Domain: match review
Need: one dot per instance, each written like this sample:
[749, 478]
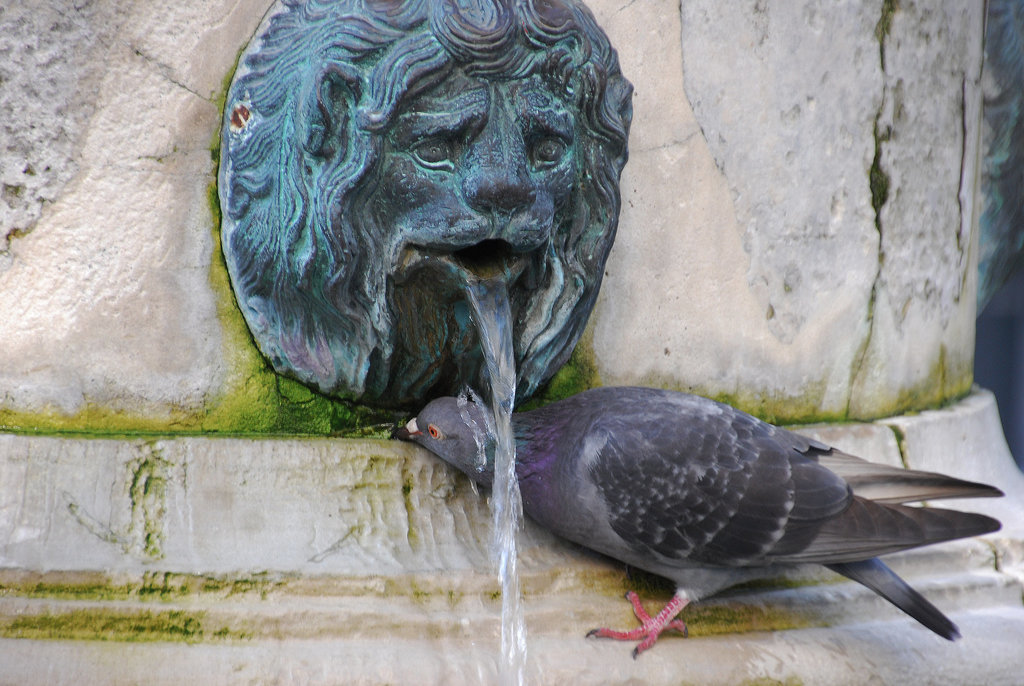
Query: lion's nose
[500, 183]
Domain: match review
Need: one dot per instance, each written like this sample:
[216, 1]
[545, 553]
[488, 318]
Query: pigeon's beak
[407, 432]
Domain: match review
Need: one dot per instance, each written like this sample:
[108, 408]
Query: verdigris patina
[378, 156]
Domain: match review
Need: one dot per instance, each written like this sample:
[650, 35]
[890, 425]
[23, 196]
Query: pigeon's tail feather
[879, 578]
[885, 484]
[867, 529]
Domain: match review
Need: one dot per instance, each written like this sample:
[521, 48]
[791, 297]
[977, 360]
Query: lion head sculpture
[376, 155]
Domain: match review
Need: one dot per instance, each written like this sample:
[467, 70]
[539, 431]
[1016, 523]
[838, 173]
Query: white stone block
[751, 263]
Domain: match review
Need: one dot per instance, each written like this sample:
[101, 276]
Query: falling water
[489, 300]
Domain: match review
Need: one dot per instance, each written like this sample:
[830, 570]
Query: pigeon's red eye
[434, 431]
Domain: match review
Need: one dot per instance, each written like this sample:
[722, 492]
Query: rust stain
[240, 116]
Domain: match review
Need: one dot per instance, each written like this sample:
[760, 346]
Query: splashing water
[489, 301]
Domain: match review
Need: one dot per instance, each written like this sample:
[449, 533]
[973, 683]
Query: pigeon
[705, 495]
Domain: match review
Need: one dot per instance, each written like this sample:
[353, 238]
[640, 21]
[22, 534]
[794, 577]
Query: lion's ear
[330, 113]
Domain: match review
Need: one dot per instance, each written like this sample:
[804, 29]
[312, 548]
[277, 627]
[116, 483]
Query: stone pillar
[797, 237]
[799, 207]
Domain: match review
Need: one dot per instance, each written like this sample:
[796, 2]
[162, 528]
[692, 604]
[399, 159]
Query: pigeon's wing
[701, 481]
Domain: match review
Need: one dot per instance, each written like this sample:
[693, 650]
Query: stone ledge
[318, 561]
[850, 655]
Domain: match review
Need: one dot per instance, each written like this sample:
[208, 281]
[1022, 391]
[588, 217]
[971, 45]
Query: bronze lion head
[376, 155]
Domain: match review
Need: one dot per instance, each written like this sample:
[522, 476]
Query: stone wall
[795, 237]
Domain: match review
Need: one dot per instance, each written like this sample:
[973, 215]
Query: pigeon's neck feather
[543, 446]
[536, 443]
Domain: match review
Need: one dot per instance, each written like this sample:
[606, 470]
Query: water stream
[489, 301]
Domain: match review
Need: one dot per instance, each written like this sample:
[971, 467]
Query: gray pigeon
[705, 495]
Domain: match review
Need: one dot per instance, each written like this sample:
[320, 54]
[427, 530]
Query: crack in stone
[668, 144]
[962, 249]
[901, 443]
[167, 72]
[963, 163]
[878, 183]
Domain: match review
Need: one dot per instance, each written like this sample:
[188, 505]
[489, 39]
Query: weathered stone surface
[921, 347]
[751, 262]
[42, 107]
[108, 298]
[844, 656]
[327, 561]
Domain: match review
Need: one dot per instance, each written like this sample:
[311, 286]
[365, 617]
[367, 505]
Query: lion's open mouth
[488, 259]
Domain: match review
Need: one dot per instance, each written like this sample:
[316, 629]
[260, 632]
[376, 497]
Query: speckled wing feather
[685, 477]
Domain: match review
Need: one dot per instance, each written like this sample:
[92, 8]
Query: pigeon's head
[459, 431]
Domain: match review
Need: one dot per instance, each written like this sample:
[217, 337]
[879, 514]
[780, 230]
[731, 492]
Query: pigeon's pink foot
[650, 627]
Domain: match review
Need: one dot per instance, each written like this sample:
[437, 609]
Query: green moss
[147, 491]
[878, 179]
[646, 584]
[576, 375]
[884, 26]
[68, 591]
[220, 98]
[711, 619]
[419, 594]
[774, 407]
[947, 381]
[102, 624]
[152, 586]
[901, 444]
[777, 408]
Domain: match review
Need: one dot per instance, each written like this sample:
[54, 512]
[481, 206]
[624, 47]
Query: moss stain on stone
[878, 178]
[576, 375]
[147, 492]
[112, 623]
[152, 586]
[947, 381]
[105, 624]
[770, 406]
[408, 485]
[884, 26]
[714, 619]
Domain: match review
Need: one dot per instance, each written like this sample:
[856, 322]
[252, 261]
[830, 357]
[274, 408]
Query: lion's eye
[434, 432]
[435, 153]
[547, 152]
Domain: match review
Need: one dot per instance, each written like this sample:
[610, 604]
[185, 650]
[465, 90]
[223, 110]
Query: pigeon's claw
[650, 627]
[641, 614]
